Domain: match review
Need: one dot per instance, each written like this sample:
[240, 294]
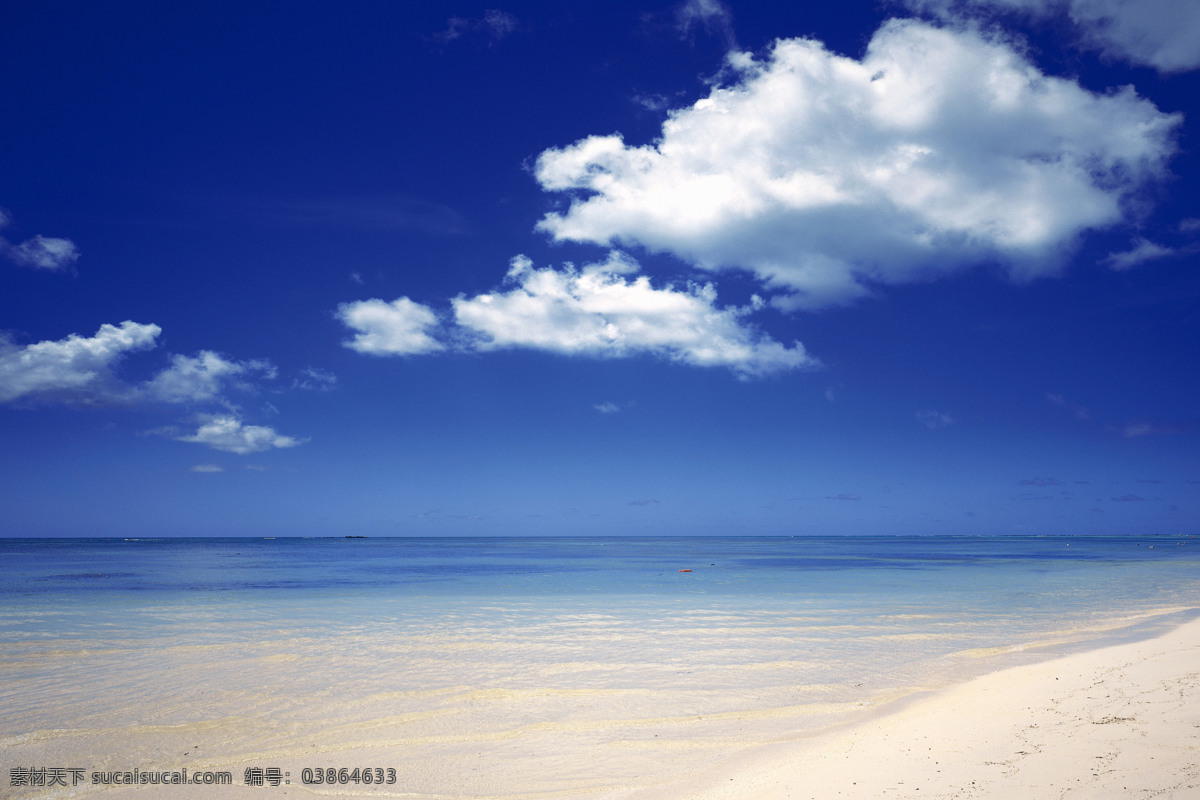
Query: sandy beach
[1117, 722]
[1121, 721]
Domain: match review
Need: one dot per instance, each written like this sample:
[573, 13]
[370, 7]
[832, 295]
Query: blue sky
[599, 268]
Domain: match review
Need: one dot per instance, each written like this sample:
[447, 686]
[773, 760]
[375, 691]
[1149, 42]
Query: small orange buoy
[685, 570]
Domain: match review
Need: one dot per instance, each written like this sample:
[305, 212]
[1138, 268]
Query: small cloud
[607, 408]
[208, 468]
[494, 24]
[400, 327]
[650, 502]
[1149, 480]
[711, 15]
[314, 379]
[42, 252]
[200, 378]
[934, 419]
[1143, 251]
[830, 396]
[1189, 225]
[1139, 428]
[228, 434]
[1041, 482]
[842, 497]
[1129, 498]
[657, 103]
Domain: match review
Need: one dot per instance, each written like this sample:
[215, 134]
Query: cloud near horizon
[597, 311]
[81, 371]
[826, 176]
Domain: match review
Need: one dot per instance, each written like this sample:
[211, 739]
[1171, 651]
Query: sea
[521, 667]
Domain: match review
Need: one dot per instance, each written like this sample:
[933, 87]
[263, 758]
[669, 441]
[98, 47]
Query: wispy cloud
[40, 252]
[934, 419]
[1041, 482]
[493, 26]
[201, 378]
[711, 15]
[314, 379]
[1142, 251]
[1139, 428]
[1164, 34]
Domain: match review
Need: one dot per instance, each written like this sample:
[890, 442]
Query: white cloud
[44, 252]
[315, 379]
[495, 24]
[199, 378]
[229, 434]
[607, 408]
[401, 327]
[208, 468]
[597, 311]
[712, 15]
[1143, 251]
[825, 175]
[1164, 34]
[79, 368]
[40, 252]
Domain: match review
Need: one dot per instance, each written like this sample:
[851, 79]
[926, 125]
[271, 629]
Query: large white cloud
[230, 434]
[400, 327]
[1164, 34]
[824, 175]
[598, 311]
[77, 368]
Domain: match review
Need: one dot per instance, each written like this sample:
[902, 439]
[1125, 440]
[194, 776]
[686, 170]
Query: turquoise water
[560, 665]
[81, 584]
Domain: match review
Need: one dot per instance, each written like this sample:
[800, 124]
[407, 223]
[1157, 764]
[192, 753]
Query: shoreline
[1119, 721]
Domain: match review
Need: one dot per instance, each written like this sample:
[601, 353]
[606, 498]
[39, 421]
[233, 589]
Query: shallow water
[517, 667]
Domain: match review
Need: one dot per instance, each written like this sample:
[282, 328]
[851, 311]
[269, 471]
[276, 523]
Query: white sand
[1118, 722]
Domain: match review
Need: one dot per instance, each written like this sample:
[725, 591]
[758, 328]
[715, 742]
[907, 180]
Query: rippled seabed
[501, 667]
